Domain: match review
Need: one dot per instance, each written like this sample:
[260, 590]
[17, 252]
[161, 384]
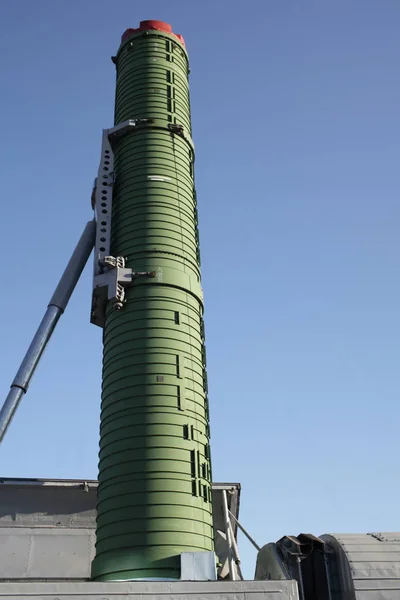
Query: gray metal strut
[55, 309]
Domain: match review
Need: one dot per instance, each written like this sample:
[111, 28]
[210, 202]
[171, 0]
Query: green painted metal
[154, 496]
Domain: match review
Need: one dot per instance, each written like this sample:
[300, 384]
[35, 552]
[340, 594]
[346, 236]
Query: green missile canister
[154, 494]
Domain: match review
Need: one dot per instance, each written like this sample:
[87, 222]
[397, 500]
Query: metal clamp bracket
[110, 286]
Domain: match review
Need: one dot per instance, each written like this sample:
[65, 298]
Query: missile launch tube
[55, 309]
[154, 493]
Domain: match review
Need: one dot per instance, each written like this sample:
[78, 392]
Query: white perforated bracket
[102, 197]
[103, 191]
[110, 276]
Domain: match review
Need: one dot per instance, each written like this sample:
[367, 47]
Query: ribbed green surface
[154, 497]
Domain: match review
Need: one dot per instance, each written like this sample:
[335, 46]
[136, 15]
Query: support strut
[55, 309]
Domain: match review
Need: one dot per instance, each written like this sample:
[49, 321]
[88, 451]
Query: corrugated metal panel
[373, 556]
[35, 553]
[47, 527]
[368, 565]
[160, 590]
[31, 503]
[392, 547]
[378, 594]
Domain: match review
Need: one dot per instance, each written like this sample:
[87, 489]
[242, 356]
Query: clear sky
[296, 124]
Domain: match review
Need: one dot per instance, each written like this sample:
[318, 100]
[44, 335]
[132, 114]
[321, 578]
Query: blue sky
[296, 124]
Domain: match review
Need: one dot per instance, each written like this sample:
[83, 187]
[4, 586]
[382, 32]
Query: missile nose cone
[160, 25]
[152, 24]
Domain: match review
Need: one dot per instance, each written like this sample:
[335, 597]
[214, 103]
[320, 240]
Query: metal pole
[55, 309]
[243, 530]
[234, 545]
[301, 584]
[231, 562]
[328, 578]
[235, 551]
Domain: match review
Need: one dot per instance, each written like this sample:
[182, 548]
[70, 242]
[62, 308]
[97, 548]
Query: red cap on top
[147, 25]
